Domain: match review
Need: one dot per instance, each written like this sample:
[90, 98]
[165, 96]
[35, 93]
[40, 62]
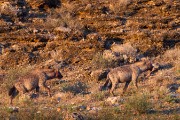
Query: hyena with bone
[128, 73]
[33, 80]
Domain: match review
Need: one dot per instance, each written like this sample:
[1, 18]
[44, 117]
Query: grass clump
[100, 62]
[77, 88]
[138, 104]
[171, 99]
[99, 96]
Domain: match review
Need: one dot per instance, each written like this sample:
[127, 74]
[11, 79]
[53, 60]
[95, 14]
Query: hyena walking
[128, 73]
[34, 80]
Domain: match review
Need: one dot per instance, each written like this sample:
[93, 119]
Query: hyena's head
[149, 64]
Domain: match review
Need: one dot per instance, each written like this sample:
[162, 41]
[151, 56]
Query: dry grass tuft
[139, 103]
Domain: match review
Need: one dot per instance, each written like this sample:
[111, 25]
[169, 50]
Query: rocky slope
[79, 37]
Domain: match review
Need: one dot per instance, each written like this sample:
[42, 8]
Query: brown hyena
[128, 73]
[33, 80]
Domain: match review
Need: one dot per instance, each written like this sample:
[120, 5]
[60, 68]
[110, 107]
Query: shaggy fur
[34, 80]
[127, 73]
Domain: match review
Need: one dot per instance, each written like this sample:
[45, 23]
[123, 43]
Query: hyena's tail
[12, 90]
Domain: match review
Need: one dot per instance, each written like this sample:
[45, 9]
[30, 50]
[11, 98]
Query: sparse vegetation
[99, 62]
[77, 88]
[78, 36]
[100, 96]
[138, 104]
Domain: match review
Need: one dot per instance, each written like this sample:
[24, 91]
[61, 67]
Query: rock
[178, 90]
[99, 74]
[62, 29]
[93, 36]
[88, 7]
[173, 87]
[14, 109]
[59, 95]
[82, 107]
[38, 112]
[94, 110]
[1, 49]
[58, 109]
[16, 47]
[113, 100]
[77, 116]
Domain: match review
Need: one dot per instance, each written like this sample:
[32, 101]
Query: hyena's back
[122, 74]
[27, 83]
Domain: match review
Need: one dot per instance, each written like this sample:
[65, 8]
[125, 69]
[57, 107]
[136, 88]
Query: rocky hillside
[85, 39]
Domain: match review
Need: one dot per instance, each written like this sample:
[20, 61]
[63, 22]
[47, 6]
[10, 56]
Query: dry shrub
[99, 96]
[126, 49]
[138, 103]
[172, 56]
[159, 92]
[77, 88]
[100, 62]
[110, 55]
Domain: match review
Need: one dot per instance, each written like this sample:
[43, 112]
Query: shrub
[99, 62]
[171, 99]
[77, 88]
[99, 96]
[138, 104]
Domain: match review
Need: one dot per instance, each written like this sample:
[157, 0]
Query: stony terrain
[85, 39]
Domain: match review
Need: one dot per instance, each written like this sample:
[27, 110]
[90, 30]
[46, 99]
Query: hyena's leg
[134, 80]
[21, 88]
[135, 75]
[13, 95]
[37, 89]
[114, 84]
[126, 86]
[43, 85]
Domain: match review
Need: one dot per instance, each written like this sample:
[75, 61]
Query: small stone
[38, 112]
[113, 100]
[62, 29]
[82, 107]
[58, 109]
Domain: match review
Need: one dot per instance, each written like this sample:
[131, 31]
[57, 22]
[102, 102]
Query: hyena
[128, 73]
[33, 80]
